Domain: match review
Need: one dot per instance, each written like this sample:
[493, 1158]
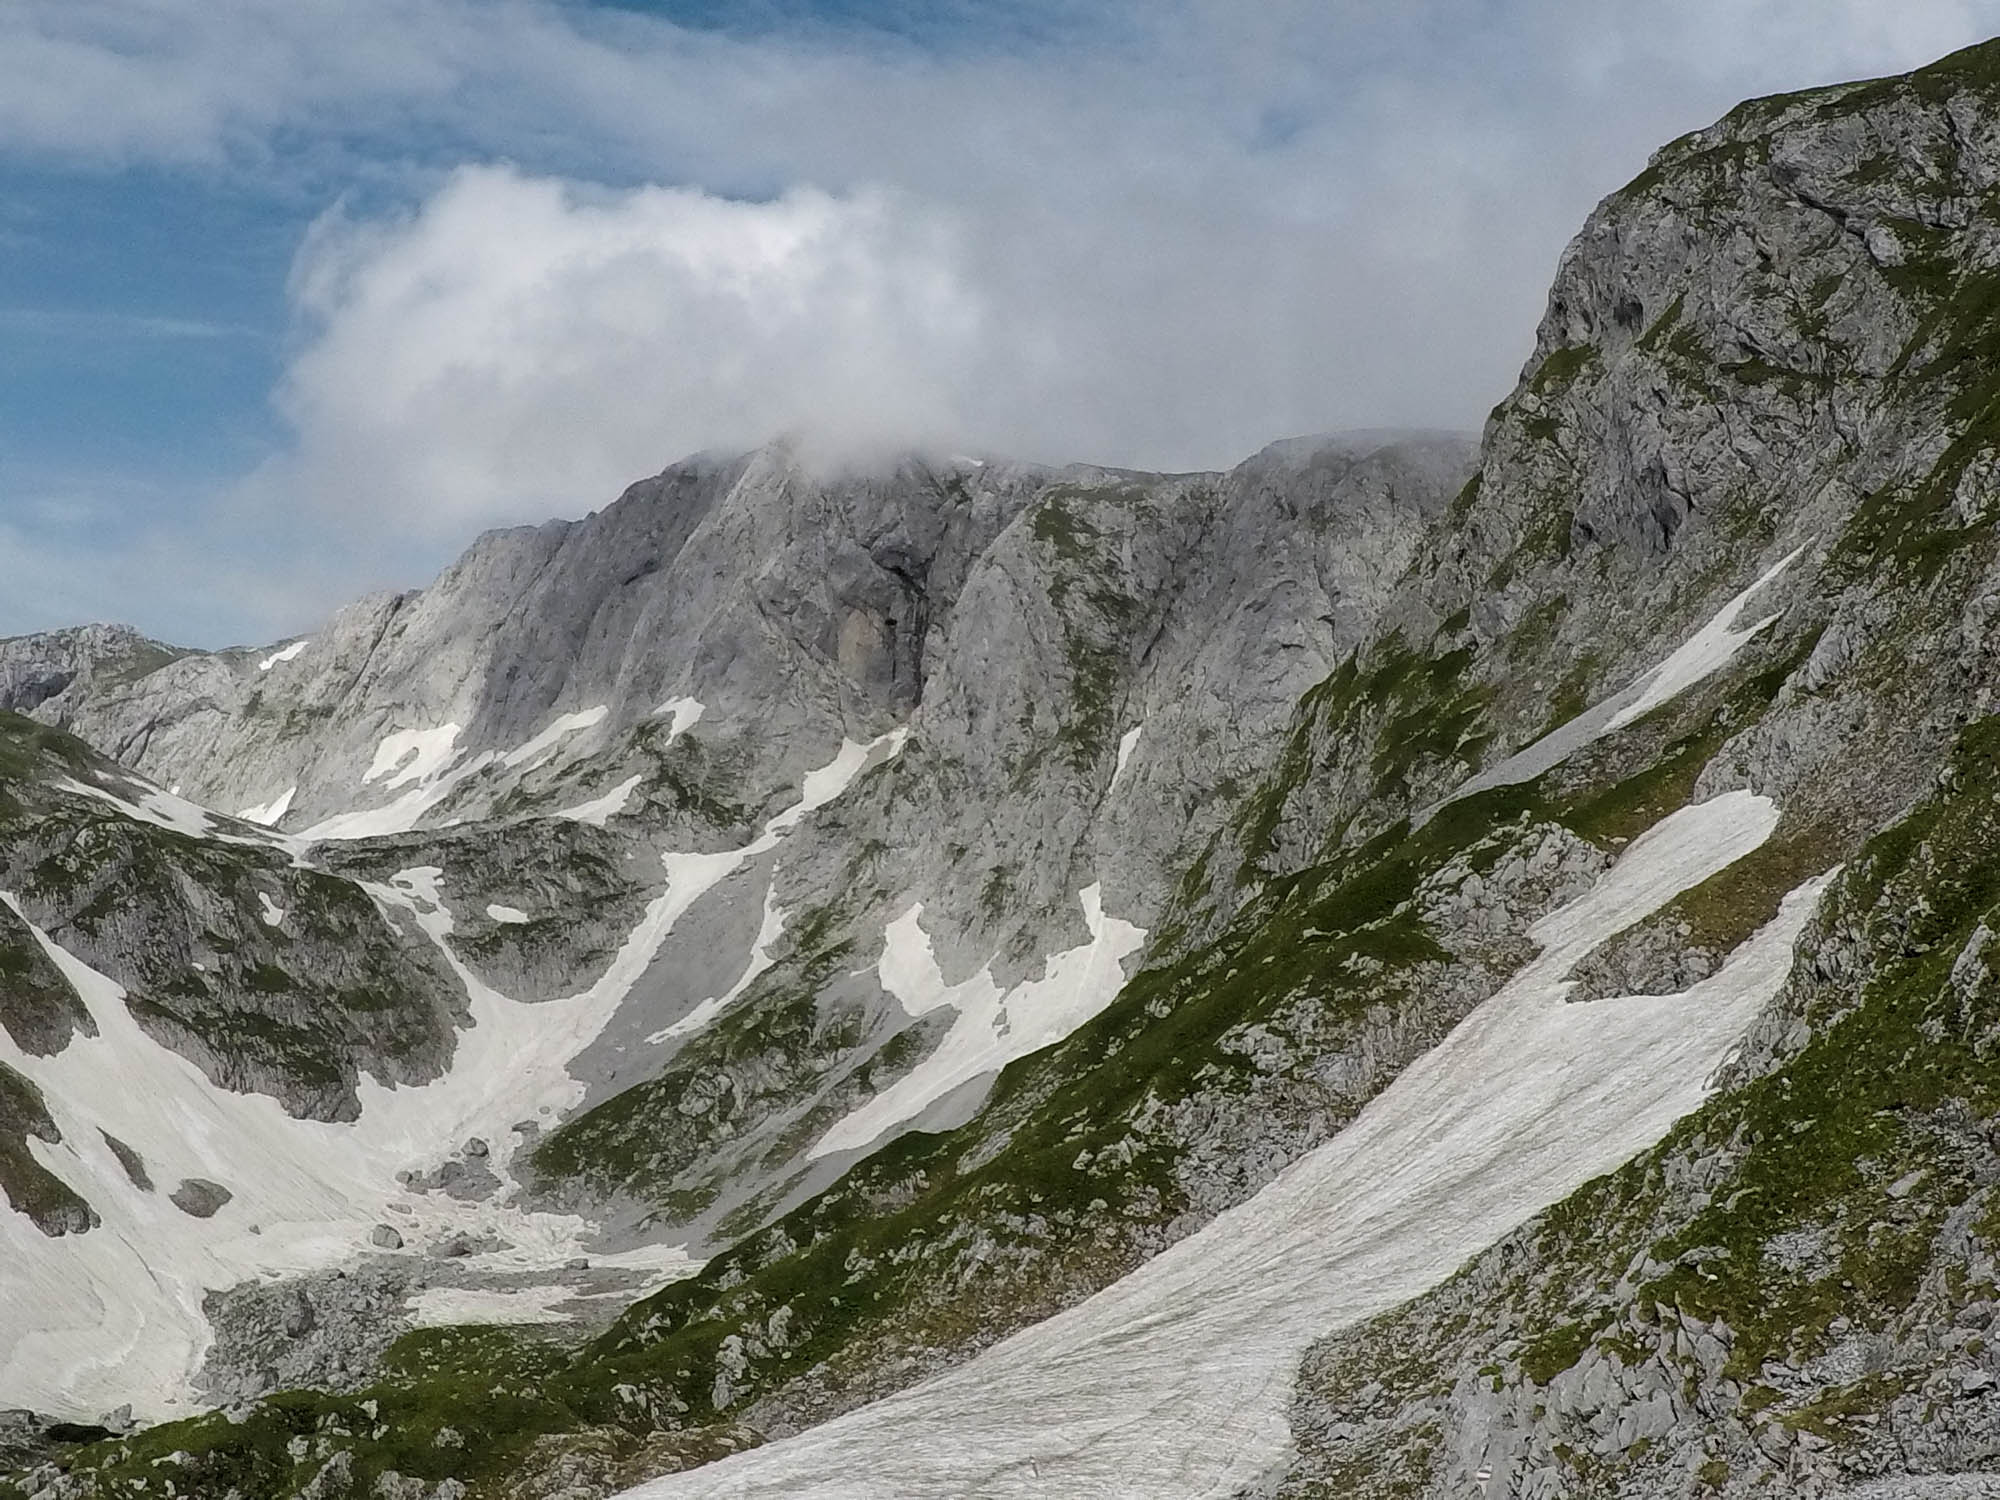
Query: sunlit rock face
[1403, 968]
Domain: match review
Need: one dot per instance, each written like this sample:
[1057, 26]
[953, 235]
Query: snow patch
[413, 754]
[1177, 1380]
[274, 914]
[547, 740]
[909, 968]
[288, 653]
[663, 1264]
[445, 1306]
[267, 813]
[598, 809]
[1127, 743]
[90, 1322]
[687, 713]
[506, 914]
[114, 1315]
[992, 1028]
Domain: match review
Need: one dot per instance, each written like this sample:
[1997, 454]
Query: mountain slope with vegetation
[1196, 811]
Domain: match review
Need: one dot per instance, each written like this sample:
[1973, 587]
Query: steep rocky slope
[1790, 1293]
[669, 963]
[1258, 893]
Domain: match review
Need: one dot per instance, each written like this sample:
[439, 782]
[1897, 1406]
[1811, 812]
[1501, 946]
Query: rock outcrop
[1006, 871]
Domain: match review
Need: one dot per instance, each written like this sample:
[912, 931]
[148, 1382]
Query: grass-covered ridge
[1846, 1190]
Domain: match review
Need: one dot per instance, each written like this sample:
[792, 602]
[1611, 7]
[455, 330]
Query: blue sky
[296, 296]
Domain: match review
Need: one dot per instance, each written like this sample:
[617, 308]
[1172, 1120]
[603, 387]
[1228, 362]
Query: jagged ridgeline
[1391, 977]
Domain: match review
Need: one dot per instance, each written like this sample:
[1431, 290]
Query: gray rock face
[38, 1007]
[199, 1198]
[1337, 728]
[716, 579]
[1094, 666]
[1089, 670]
[1777, 319]
[36, 668]
[133, 1163]
[30, 1187]
[328, 1330]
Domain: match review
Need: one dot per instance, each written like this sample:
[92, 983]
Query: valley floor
[117, 1317]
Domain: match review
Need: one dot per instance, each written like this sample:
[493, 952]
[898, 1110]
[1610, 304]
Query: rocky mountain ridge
[1155, 841]
[730, 1065]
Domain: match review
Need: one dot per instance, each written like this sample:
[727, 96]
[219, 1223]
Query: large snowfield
[1175, 1382]
[112, 1317]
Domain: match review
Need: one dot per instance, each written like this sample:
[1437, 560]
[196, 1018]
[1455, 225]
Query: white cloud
[522, 346]
[1164, 237]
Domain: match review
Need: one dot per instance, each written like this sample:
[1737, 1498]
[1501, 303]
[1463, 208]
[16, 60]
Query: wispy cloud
[73, 322]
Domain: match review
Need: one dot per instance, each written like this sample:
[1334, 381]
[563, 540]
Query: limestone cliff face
[1292, 759]
[1089, 662]
[795, 606]
[35, 668]
[1071, 679]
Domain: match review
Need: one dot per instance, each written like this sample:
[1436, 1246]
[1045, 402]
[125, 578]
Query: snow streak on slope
[1701, 656]
[992, 1028]
[267, 813]
[1176, 1381]
[286, 653]
[1127, 743]
[1707, 651]
[768, 932]
[92, 1321]
[598, 809]
[548, 739]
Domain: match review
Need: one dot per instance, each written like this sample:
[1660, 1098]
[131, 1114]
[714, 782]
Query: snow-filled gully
[1175, 1382]
[994, 1026]
[113, 1316]
[1703, 654]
